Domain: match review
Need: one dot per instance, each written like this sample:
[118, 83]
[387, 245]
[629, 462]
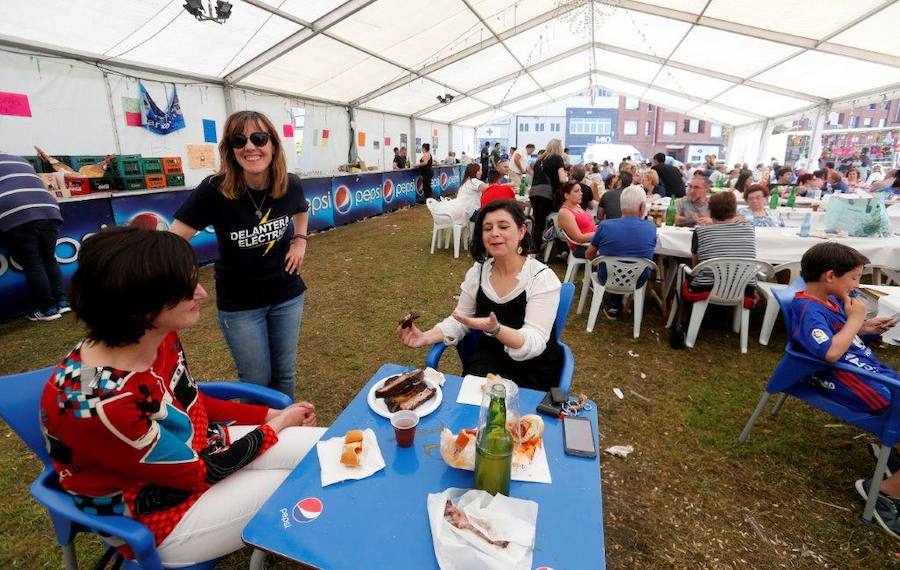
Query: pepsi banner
[318, 197]
[446, 181]
[81, 218]
[356, 197]
[398, 189]
[156, 211]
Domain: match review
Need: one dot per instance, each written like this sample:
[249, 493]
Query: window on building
[872, 106]
[554, 127]
[693, 126]
[882, 122]
[840, 120]
[649, 106]
[630, 128]
[523, 127]
[886, 105]
[632, 103]
[539, 127]
[715, 131]
[669, 128]
[646, 128]
[603, 93]
[833, 118]
[854, 119]
[867, 121]
[590, 126]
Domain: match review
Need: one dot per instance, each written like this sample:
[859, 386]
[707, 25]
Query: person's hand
[294, 258]
[411, 336]
[878, 325]
[704, 221]
[487, 323]
[854, 308]
[299, 414]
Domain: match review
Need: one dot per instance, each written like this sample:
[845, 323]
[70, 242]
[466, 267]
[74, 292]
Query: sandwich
[527, 434]
[353, 445]
[459, 450]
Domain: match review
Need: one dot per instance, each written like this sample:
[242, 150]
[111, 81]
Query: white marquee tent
[729, 61]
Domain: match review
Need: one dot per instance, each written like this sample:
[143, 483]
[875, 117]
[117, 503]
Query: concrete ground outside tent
[688, 497]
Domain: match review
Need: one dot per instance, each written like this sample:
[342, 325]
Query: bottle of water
[804, 227]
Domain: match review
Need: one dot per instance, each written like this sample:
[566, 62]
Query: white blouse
[542, 295]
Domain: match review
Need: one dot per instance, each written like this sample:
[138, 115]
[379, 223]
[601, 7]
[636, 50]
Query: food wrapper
[498, 517]
[453, 454]
[333, 471]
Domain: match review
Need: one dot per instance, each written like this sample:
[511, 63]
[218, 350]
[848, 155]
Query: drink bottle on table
[775, 200]
[494, 446]
[670, 213]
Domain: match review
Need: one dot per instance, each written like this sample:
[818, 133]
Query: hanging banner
[157, 121]
[131, 106]
[209, 131]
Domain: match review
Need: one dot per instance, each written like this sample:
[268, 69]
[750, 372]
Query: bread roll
[353, 444]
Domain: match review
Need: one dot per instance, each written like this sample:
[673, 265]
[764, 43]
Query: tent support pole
[112, 113]
[815, 139]
[768, 125]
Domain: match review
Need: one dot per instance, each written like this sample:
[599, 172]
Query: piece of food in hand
[353, 445]
[407, 321]
[459, 450]
[400, 384]
[527, 434]
[457, 518]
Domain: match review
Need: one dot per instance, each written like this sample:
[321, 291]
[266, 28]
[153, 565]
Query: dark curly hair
[479, 253]
[126, 276]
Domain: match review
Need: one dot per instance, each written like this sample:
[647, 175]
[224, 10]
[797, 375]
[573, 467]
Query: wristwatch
[494, 332]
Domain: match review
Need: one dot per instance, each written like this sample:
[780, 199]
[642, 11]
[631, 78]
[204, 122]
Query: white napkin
[333, 471]
[513, 520]
[435, 376]
[471, 390]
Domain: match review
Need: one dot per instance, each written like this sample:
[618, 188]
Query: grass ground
[688, 496]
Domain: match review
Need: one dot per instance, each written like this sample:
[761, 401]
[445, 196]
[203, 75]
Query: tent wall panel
[745, 144]
[377, 127]
[278, 109]
[319, 157]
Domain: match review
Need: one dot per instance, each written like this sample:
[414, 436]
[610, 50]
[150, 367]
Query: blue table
[382, 521]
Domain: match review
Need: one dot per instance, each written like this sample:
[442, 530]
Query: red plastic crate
[172, 165]
[155, 181]
[78, 186]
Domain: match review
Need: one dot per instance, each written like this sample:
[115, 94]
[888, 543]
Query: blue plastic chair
[791, 378]
[469, 342]
[20, 396]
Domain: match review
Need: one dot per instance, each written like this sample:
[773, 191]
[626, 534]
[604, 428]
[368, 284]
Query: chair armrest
[247, 391]
[60, 503]
[434, 355]
[892, 384]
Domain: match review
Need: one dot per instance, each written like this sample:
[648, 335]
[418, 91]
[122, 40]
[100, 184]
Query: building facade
[652, 129]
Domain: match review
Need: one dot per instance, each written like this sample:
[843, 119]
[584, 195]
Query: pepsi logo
[307, 510]
[342, 199]
[419, 184]
[443, 180]
[149, 221]
[388, 191]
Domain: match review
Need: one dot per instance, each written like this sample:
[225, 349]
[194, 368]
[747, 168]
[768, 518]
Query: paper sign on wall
[209, 131]
[403, 139]
[201, 156]
[434, 132]
[288, 131]
[14, 104]
[387, 141]
[361, 138]
[131, 106]
[325, 137]
[376, 145]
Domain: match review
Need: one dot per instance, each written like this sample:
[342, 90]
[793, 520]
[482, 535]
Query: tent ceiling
[710, 58]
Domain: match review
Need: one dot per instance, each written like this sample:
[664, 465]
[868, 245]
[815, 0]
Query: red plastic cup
[405, 423]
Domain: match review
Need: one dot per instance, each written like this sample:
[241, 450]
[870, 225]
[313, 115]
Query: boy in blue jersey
[828, 323]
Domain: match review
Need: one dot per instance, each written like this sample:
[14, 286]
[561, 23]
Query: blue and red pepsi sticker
[307, 510]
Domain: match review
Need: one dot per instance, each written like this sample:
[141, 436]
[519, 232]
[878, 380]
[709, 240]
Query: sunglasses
[258, 139]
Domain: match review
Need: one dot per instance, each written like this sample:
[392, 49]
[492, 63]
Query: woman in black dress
[426, 171]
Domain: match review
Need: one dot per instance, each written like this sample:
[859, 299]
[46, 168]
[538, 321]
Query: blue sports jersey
[815, 323]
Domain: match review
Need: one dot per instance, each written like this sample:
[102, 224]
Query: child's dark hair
[479, 253]
[126, 277]
[829, 256]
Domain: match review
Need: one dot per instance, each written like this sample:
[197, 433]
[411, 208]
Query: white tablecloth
[781, 245]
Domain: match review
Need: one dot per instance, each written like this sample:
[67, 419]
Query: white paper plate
[380, 408]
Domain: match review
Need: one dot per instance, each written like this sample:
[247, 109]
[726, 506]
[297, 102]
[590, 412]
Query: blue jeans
[264, 342]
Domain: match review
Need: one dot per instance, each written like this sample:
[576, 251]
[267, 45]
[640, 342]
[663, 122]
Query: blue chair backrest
[20, 397]
[785, 296]
[566, 294]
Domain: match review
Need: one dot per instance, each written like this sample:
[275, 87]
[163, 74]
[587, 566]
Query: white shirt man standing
[519, 164]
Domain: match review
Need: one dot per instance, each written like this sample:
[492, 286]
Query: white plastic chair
[572, 262]
[622, 275]
[772, 308]
[445, 228]
[731, 275]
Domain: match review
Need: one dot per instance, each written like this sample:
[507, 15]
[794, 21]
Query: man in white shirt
[519, 164]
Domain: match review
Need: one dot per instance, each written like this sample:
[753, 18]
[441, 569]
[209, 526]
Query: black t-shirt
[546, 171]
[250, 270]
[670, 177]
[400, 161]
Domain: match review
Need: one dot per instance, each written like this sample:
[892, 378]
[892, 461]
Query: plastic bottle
[493, 450]
[670, 212]
[804, 227]
[792, 198]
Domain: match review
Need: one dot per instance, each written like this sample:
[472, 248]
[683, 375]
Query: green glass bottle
[670, 213]
[493, 450]
[522, 185]
[775, 200]
[792, 198]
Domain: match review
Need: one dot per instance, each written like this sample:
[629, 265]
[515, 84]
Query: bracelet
[299, 236]
[495, 332]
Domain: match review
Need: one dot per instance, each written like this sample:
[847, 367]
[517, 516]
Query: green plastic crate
[131, 182]
[174, 179]
[127, 166]
[37, 164]
[151, 166]
[65, 159]
[78, 161]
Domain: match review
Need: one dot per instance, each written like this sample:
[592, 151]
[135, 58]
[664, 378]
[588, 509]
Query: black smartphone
[578, 437]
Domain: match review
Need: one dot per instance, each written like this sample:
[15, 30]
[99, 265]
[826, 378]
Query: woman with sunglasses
[259, 214]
